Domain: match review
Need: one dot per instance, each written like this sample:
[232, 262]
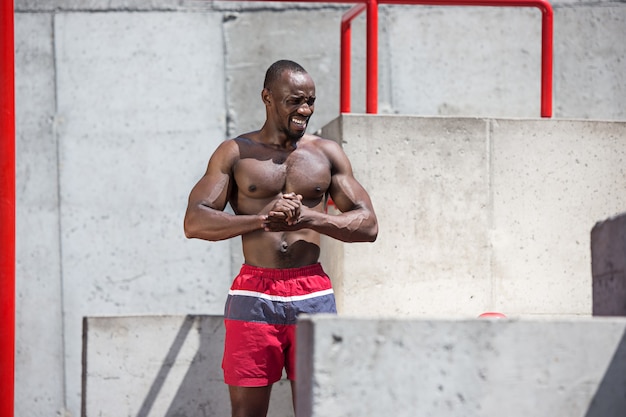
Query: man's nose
[305, 109]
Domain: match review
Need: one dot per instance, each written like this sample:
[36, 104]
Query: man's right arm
[205, 217]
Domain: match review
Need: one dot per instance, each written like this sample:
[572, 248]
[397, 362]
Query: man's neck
[277, 139]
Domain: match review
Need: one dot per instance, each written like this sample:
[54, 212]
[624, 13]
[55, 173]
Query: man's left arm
[357, 221]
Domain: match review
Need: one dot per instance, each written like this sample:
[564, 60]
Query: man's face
[293, 100]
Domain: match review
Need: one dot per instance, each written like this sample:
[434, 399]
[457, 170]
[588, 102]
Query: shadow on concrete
[202, 391]
[610, 397]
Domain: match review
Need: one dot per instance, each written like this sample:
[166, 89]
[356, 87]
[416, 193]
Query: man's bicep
[212, 190]
[214, 187]
[347, 193]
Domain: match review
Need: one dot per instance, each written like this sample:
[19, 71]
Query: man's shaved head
[277, 68]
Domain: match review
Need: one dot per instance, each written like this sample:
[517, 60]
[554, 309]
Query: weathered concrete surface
[161, 365]
[608, 265]
[478, 214]
[128, 149]
[468, 368]
[39, 312]
[551, 182]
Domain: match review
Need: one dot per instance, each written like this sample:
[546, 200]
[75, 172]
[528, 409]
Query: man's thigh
[249, 401]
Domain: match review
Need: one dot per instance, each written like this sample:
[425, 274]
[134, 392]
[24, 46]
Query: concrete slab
[477, 214]
[429, 183]
[160, 365]
[139, 113]
[468, 368]
[39, 340]
[551, 182]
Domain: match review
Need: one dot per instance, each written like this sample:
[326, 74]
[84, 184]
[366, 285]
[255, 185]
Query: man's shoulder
[236, 143]
[318, 141]
[243, 139]
[229, 150]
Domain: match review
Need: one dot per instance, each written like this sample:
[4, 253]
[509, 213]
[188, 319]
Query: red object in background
[547, 19]
[330, 203]
[493, 315]
[346, 53]
[7, 209]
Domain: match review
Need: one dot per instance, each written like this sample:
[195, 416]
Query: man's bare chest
[305, 173]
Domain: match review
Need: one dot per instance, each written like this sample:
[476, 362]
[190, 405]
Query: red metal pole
[547, 30]
[346, 53]
[345, 68]
[7, 209]
[546, 35]
[371, 104]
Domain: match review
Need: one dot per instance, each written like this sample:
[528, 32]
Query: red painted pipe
[345, 53]
[547, 46]
[371, 103]
[372, 45]
[7, 209]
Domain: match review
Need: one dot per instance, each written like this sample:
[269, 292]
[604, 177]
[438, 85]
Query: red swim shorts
[260, 318]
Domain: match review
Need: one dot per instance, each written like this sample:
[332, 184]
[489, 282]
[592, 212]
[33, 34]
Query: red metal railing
[372, 46]
[7, 209]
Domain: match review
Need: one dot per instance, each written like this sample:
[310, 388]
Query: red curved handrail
[547, 26]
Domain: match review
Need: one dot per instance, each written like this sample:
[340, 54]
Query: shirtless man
[277, 181]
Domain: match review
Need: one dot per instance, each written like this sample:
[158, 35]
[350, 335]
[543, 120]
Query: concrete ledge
[159, 365]
[483, 368]
[476, 214]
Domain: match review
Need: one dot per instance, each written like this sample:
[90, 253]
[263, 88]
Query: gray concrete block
[39, 338]
[478, 215]
[429, 183]
[467, 368]
[160, 365]
[140, 110]
[551, 181]
[608, 265]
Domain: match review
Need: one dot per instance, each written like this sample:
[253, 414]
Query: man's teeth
[299, 122]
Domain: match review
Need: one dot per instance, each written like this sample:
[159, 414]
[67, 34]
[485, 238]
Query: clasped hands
[284, 213]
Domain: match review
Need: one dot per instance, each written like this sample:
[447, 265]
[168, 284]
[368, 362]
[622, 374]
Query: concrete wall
[120, 103]
[478, 214]
[472, 368]
[608, 266]
[109, 142]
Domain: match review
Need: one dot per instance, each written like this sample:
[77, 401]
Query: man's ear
[265, 96]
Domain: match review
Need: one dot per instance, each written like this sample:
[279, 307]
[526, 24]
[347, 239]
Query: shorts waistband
[283, 273]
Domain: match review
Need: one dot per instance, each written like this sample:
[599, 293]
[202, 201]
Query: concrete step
[559, 367]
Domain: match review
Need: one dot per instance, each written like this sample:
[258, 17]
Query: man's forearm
[353, 226]
[213, 225]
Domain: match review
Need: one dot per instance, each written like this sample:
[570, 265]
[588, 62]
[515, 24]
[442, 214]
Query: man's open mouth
[300, 123]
